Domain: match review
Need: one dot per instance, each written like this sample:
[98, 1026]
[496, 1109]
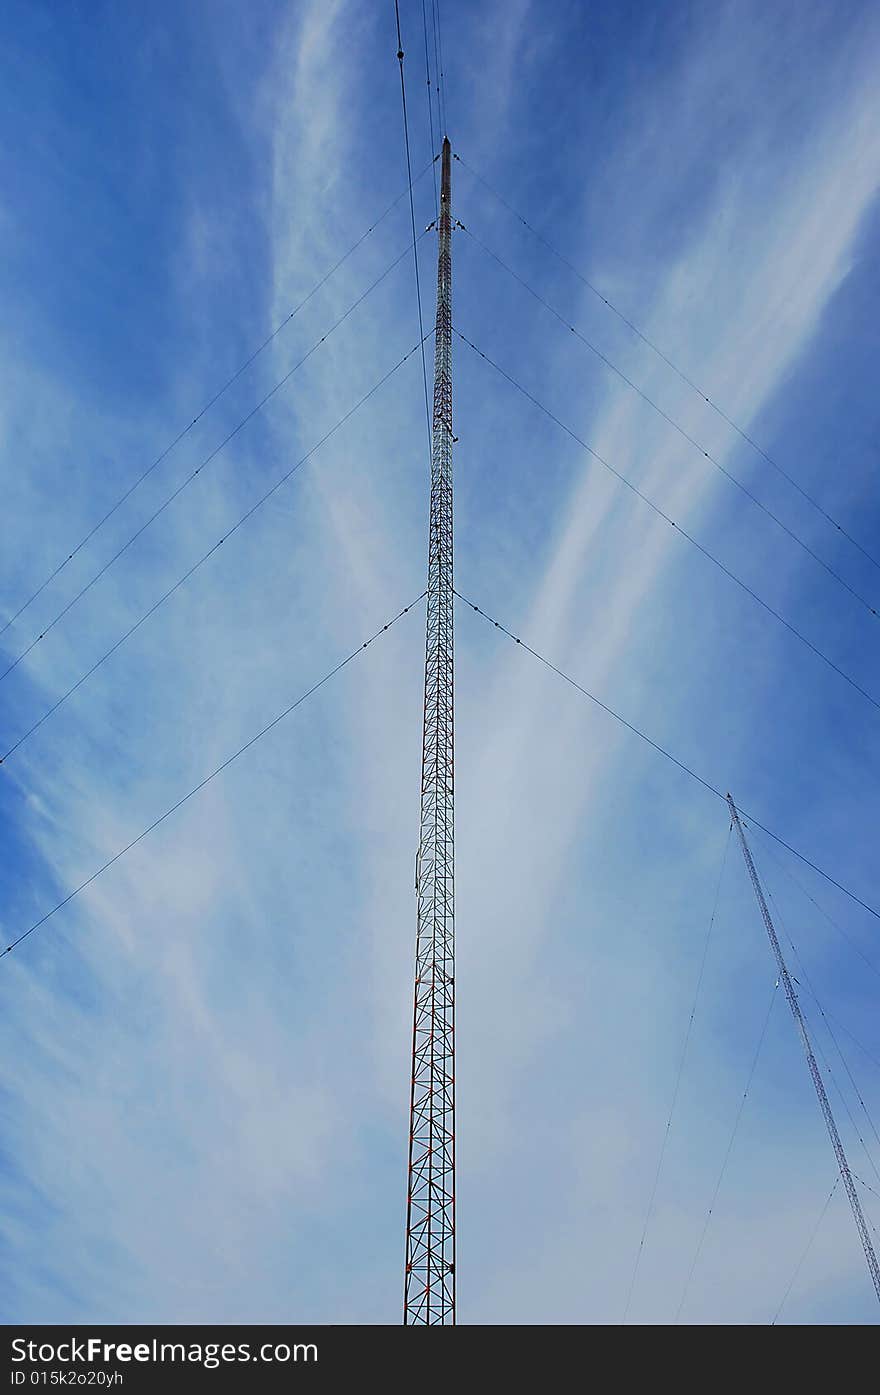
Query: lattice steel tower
[429, 1288]
[791, 995]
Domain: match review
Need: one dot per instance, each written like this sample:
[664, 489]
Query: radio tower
[795, 1006]
[429, 1287]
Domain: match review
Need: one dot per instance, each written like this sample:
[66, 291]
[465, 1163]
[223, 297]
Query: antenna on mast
[429, 1288]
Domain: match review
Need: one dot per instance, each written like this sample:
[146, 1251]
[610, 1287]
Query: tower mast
[429, 1288]
[793, 1003]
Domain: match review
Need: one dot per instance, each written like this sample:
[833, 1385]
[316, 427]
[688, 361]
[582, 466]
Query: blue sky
[205, 1099]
